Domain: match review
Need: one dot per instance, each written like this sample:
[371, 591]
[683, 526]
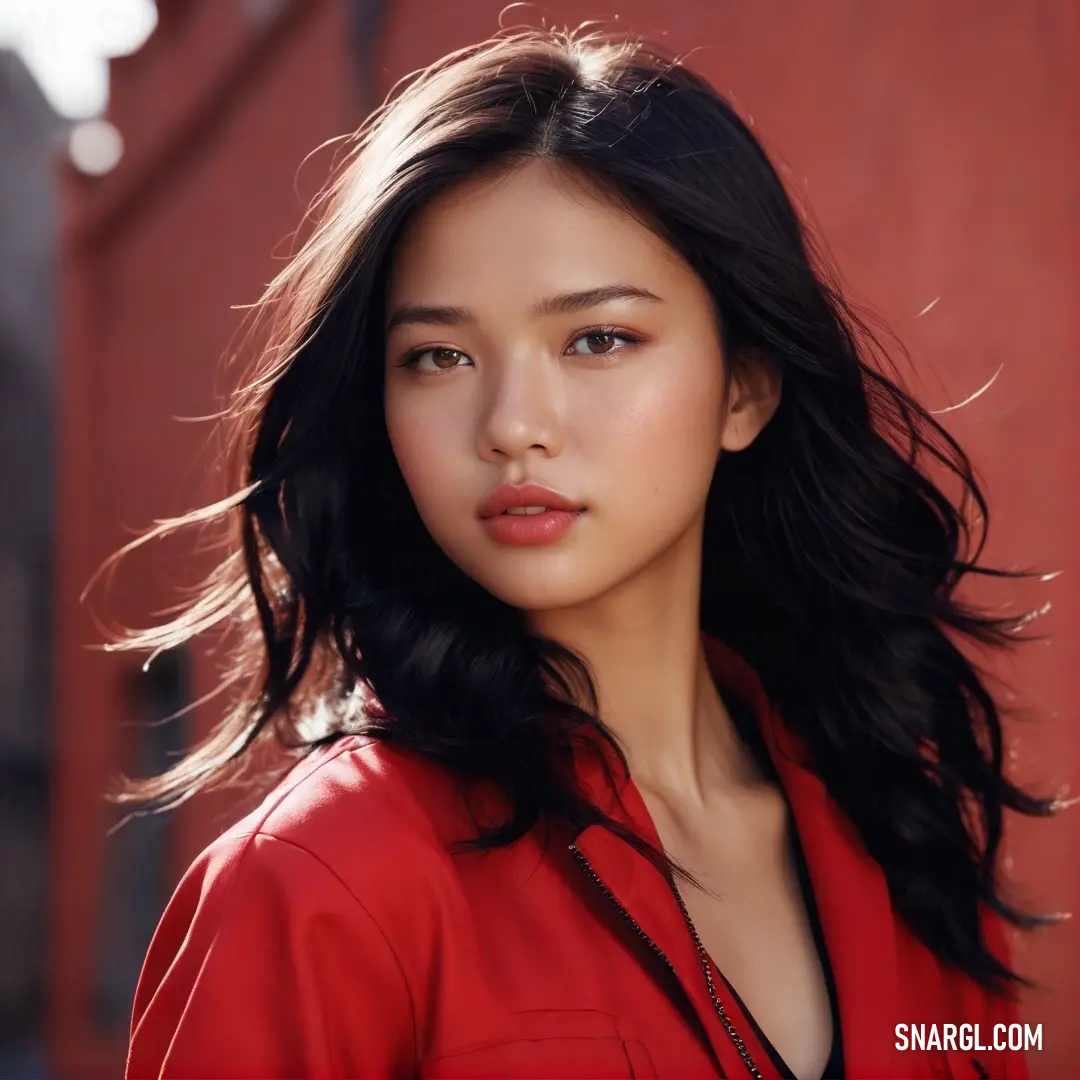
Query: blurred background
[156, 161]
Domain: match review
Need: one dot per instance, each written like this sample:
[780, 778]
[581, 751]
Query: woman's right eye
[435, 361]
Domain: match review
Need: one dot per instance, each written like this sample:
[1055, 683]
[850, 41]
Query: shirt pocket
[550, 1043]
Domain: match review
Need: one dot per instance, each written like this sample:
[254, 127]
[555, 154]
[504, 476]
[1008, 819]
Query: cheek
[662, 438]
[426, 447]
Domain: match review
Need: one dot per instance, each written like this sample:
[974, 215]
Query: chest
[753, 920]
[539, 972]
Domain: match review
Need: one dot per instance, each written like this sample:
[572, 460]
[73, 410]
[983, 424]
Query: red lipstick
[527, 514]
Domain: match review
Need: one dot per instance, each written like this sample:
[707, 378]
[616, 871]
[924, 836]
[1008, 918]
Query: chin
[535, 588]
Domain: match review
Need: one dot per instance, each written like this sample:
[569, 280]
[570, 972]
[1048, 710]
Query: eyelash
[627, 336]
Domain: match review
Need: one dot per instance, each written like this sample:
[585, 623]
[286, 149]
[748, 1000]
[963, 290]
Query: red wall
[936, 145]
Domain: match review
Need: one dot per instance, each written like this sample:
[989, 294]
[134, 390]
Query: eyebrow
[562, 304]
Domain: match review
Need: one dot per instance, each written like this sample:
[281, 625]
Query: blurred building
[29, 134]
[216, 115]
[937, 147]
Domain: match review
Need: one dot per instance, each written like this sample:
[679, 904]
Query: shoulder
[323, 890]
[374, 818]
[349, 847]
[356, 783]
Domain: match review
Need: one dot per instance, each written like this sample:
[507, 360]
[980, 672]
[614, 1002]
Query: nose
[522, 411]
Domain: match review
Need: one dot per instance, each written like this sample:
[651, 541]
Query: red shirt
[330, 934]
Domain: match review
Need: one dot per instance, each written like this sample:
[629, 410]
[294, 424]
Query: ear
[752, 399]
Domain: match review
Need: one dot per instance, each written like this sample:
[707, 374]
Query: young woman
[590, 563]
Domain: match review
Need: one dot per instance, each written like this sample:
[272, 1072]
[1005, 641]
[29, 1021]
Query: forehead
[536, 228]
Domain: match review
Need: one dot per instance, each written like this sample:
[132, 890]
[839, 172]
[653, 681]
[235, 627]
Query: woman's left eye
[603, 340]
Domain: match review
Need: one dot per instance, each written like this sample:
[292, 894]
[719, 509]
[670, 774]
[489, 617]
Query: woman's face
[502, 369]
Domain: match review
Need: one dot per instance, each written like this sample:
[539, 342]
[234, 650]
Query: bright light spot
[95, 147]
[263, 11]
[66, 45]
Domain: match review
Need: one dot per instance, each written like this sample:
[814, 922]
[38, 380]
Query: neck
[642, 642]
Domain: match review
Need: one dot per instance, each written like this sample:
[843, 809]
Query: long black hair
[832, 559]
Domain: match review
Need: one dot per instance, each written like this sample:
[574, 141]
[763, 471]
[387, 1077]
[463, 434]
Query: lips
[521, 496]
